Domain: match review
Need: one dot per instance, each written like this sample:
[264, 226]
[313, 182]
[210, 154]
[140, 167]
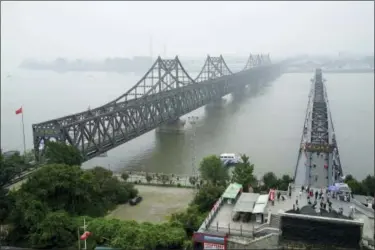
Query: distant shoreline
[143, 69]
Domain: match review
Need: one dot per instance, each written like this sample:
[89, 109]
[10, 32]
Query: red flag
[19, 111]
[85, 235]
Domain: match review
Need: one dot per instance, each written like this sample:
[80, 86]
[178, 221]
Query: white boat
[229, 159]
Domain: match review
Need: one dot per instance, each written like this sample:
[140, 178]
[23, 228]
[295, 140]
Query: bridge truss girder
[319, 126]
[159, 96]
[98, 134]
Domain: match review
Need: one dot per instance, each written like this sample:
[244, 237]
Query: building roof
[259, 208]
[232, 191]
[246, 202]
[263, 198]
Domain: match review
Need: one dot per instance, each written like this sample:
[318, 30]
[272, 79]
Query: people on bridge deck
[314, 204]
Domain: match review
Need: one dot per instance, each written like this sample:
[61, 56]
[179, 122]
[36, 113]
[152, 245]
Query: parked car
[135, 200]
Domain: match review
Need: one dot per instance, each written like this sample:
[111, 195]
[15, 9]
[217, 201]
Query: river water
[265, 123]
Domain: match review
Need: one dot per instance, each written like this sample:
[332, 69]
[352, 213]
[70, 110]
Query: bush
[125, 176]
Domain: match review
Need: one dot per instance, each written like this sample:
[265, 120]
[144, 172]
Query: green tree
[355, 186]
[27, 212]
[368, 185]
[349, 177]
[283, 183]
[191, 219]
[57, 229]
[62, 187]
[125, 176]
[364, 187]
[193, 180]
[206, 196]
[59, 192]
[10, 167]
[270, 180]
[212, 170]
[61, 153]
[243, 174]
[148, 178]
[132, 235]
[110, 190]
[163, 178]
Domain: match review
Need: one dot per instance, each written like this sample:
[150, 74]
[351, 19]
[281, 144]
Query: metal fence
[213, 212]
[233, 229]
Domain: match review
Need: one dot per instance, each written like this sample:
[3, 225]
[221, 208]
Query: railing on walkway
[211, 215]
[266, 231]
[237, 230]
[369, 212]
[269, 240]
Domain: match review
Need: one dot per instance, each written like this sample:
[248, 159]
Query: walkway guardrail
[237, 230]
[369, 212]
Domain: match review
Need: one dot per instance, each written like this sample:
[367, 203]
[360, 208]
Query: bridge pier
[171, 126]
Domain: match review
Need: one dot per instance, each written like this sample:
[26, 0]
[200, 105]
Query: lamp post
[193, 121]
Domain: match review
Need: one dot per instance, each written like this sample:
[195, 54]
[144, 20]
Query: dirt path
[158, 203]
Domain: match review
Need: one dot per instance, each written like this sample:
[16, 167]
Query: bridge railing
[233, 229]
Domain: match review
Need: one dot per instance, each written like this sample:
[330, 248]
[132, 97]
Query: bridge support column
[172, 126]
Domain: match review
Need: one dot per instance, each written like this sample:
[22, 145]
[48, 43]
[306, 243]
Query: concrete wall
[320, 232]
[270, 241]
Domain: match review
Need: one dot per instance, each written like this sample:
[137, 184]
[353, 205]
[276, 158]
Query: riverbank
[159, 179]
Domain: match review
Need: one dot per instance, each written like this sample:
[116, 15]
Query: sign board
[213, 246]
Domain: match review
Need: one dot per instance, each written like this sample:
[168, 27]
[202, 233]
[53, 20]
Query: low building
[262, 221]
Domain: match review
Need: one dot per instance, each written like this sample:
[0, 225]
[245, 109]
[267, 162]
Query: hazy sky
[100, 29]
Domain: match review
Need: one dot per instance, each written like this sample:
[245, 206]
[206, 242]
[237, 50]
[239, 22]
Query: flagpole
[24, 140]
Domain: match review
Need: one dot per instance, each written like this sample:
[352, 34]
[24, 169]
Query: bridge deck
[319, 175]
[313, 168]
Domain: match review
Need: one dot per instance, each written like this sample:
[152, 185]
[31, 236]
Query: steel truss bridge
[318, 161]
[162, 95]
